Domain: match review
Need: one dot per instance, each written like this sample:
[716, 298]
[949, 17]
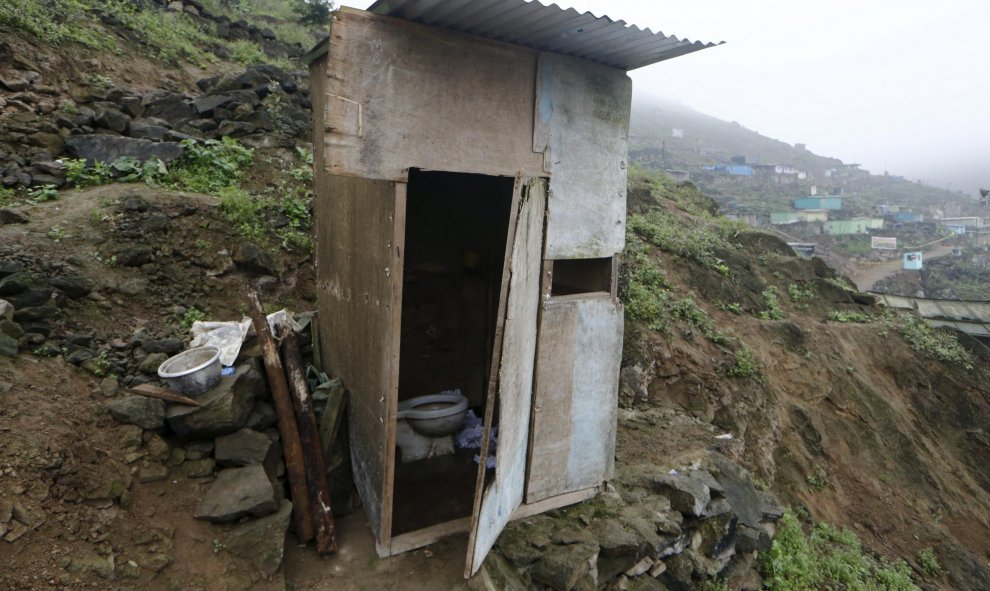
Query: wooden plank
[152, 391]
[515, 379]
[333, 417]
[551, 416]
[582, 121]
[401, 95]
[287, 427]
[358, 267]
[579, 496]
[426, 536]
[574, 418]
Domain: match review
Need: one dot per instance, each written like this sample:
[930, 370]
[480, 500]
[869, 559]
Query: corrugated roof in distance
[545, 28]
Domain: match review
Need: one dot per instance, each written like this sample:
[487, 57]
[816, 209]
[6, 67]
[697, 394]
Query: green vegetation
[825, 559]
[56, 233]
[210, 166]
[857, 317]
[313, 12]
[817, 479]
[929, 562]
[745, 365]
[43, 193]
[772, 302]
[800, 296]
[6, 195]
[933, 342]
[190, 316]
[55, 21]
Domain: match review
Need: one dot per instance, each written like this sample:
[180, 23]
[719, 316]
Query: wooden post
[291, 446]
[312, 449]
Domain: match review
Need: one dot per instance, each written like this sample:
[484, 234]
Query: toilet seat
[407, 409]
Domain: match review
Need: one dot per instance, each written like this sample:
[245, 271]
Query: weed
[191, 315]
[714, 585]
[218, 546]
[745, 366]
[201, 244]
[696, 242]
[56, 233]
[43, 193]
[933, 342]
[773, 311]
[735, 307]
[929, 562]
[5, 196]
[800, 296]
[54, 22]
[857, 317]
[246, 52]
[827, 558]
[210, 166]
[817, 479]
[78, 174]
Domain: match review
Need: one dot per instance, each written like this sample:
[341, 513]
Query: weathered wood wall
[574, 407]
[402, 95]
[359, 227]
[582, 123]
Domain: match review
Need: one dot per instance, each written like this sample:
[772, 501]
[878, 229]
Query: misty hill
[671, 136]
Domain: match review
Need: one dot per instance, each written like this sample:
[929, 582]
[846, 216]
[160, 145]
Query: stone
[205, 105]
[11, 328]
[225, 409]
[50, 142]
[262, 416]
[514, 544]
[107, 148]
[149, 366]
[620, 549]
[261, 542]
[156, 447]
[244, 448]
[770, 507]
[19, 282]
[253, 258]
[112, 119]
[6, 310]
[717, 534]
[563, 566]
[79, 355]
[197, 468]
[90, 564]
[134, 256]
[109, 386]
[33, 297]
[153, 473]
[750, 539]
[236, 129]
[10, 216]
[688, 495]
[171, 107]
[238, 492]
[133, 106]
[147, 413]
[130, 436]
[10, 267]
[197, 450]
[147, 131]
[737, 484]
[8, 345]
[170, 346]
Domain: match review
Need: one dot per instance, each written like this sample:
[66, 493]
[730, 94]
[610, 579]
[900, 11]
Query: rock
[33, 297]
[620, 549]
[10, 267]
[236, 128]
[770, 507]
[197, 468]
[717, 535]
[19, 282]
[147, 413]
[563, 566]
[6, 310]
[147, 131]
[73, 285]
[152, 473]
[8, 345]
[205, 105]
[14, 81]
[262, 416]
[50, 142]
[80, 355]
[109, 386]
[11, 328]
[171, 107]
[89, 565]
[225, 409]
[112, 119]
[133, 106]
[107, 148]
[156, 447]
[688, 495]
[134, 256]
[261, 542]
[253, 258]
[750, 539]
[149, 366]
[244, 448]
[197, 450]
[130, 436]
[238, 492]
[737, 485]
[515, 546]
[170, 346]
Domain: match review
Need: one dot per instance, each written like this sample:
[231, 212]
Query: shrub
[929, 562]
[933, 342]
[313, 12]
[857, 317]
[773, 311]
[827, 558]
[745, 366]
[210, 166]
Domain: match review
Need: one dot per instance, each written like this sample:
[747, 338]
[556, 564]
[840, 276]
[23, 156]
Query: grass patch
[929, 562]
[55, 22]
[846, 317]
[827, 558]
[745, 364]
[772, 302]
[934, 343]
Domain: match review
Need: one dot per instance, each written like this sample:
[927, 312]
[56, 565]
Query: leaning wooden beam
[291, 446]
[152, 391]
[309, 435]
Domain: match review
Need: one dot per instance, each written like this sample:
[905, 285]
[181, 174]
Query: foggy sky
[898, 86]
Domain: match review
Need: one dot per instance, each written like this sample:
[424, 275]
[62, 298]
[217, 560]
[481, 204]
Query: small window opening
[577, 276]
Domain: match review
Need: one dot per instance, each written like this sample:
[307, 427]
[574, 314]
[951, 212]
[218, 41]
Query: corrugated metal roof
[545, 28]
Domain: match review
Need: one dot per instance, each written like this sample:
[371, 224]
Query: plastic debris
[724, 436]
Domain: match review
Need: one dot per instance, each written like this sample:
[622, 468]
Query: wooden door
[515, 355]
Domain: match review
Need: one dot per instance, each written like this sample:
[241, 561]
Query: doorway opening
[455, 239]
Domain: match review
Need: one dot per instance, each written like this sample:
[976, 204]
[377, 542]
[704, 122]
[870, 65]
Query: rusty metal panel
[401, 95]
[582, 124]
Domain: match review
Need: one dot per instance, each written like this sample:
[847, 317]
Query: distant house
[908, 217]
[796, 217]
[853, 226]
[912, 261]
[681, 176]
[974, 222]
[818, 202]
[732, 169]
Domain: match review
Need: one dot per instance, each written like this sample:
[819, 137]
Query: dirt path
[868, 275]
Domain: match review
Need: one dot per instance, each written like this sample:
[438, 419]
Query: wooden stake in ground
[309, 435]
[291, 447]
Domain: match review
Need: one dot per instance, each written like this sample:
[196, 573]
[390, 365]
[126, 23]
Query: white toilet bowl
[425, 425]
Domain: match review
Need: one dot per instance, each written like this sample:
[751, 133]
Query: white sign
[881, 243]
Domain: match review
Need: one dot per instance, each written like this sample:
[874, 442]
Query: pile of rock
[230, 442]
[650, 532]
[264, 107]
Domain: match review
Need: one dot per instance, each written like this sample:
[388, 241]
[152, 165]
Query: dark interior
[456, 228]
[575, 276]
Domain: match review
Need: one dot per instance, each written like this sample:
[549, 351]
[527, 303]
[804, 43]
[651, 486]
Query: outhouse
[470, 205]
